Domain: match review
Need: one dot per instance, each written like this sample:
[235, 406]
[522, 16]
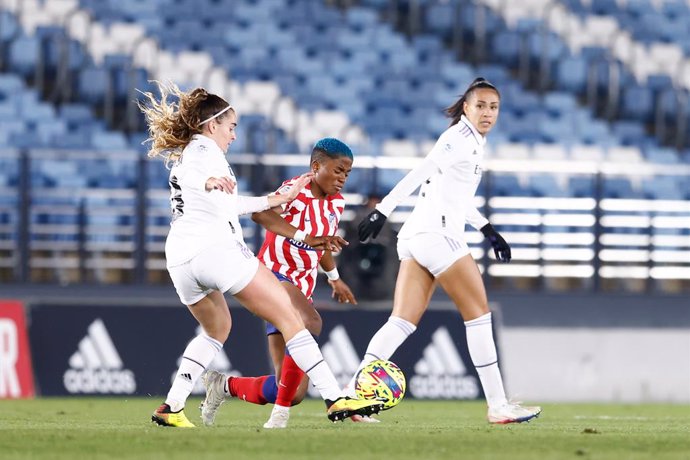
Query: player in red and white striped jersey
[300, 236]
[314, 216]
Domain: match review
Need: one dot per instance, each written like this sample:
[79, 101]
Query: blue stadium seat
[506, 46]
[9, 27]
[661, 188]
[637, 103]
[9, 84]
[619, 187]
[24, 55]
[630, 132]
[675, 9]
[506, 185]
[661, 155]
[93, 84]
[571, 74]
[542, 185]
[581, 186]
[109, 140]
[604, 7]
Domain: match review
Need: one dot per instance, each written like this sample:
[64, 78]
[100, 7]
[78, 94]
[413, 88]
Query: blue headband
[333, 146]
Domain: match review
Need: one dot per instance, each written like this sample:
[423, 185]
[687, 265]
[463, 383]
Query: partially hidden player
[293, 251]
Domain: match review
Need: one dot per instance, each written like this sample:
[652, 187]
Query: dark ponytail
[457, 110]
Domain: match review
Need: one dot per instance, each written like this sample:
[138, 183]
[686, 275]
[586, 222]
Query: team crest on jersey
[448, 147]
[331, 217]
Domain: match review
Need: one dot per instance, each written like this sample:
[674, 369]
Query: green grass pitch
[120, 428]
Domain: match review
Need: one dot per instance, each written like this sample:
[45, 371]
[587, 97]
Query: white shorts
[226, 269]
[433, 251]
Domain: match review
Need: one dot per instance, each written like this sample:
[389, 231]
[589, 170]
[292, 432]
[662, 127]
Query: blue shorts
[270, 328]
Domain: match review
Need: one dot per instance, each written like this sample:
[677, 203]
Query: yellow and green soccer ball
[381, 380]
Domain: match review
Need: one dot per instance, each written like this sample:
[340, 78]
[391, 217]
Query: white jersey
[202, 219]
[449, 177]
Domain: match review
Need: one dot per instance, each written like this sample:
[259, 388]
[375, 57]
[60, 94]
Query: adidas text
[444, 386]
[100, 381]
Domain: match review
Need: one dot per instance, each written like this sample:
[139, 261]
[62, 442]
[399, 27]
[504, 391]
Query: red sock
[290, 377]
[249, 389]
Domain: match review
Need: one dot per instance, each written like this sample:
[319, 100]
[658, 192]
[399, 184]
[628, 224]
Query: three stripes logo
[220, 363]
[340, 355]
[441, 372]
[96, 366]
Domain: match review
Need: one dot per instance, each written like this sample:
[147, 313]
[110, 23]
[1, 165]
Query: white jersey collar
[200, 139]
[481, 140]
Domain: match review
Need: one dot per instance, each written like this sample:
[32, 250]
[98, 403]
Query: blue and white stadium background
[588, 176]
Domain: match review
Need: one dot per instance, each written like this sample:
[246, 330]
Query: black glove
[371, 225]
[501, 248]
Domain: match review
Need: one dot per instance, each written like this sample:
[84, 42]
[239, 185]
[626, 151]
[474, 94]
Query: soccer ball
[381, 380]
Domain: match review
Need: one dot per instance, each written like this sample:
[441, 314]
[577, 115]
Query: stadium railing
[571, 224]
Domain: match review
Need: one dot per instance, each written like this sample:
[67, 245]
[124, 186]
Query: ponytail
[455, 111]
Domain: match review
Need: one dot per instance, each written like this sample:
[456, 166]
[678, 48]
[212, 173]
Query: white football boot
[512, 413]
[279, 417]
[214, 382]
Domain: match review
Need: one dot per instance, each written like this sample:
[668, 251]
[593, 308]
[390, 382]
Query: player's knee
[289, 326]
[221, 330]
[474, 311]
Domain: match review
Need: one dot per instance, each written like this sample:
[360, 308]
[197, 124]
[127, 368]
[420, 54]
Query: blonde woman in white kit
[432, 247]
[205, 252]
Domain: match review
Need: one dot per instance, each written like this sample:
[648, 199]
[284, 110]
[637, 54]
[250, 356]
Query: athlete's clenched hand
[371, 225]
[501, 248]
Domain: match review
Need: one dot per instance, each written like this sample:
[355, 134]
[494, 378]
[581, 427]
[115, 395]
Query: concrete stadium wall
[595, 347]
[597, 364]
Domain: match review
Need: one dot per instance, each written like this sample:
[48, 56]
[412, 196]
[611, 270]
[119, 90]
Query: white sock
[308, 357]
[198, 354]
[383, 344]
[480, 342]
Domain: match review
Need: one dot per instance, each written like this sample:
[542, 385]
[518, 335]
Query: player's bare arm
[272, 222]
[341, 291]
[292, 192]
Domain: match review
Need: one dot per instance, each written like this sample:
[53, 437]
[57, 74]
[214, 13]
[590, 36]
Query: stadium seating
[299, 70]
[387, 82]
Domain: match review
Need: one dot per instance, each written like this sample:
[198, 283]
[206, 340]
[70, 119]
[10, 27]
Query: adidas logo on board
[96, 366]
[441, 373]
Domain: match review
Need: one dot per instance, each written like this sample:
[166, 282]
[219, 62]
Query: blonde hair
[171, 124]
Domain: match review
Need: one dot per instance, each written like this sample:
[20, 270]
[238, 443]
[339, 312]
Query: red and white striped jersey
[317, 217]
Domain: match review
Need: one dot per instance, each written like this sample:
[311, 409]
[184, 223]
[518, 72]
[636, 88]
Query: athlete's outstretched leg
[265, 298]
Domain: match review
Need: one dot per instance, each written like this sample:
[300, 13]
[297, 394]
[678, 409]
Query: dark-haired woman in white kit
[432, 247]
